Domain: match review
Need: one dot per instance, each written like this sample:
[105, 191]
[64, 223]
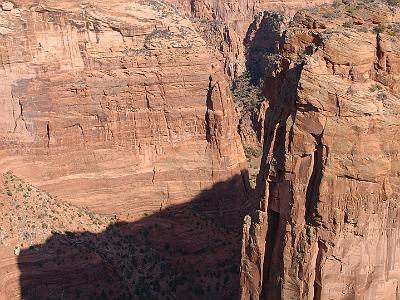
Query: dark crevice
[308, 107]
[357, 179]
[312, 194]
[262, 43]
[291, 132]
[48, 134]
[193, 6]
[272, 233]
[209, 107]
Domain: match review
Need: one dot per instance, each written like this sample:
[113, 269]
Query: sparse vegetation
[347, 24]
[375, 87]
[393, 2]
[382, 96]
[145, 263]
[252, 152]
[379, 29]
[245, 94]
[362, 29]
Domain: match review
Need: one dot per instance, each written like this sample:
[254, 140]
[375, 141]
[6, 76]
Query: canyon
[201, 149]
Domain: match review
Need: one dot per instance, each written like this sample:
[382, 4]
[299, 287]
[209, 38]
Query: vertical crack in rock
[318, 268]
[48, 134]
[209, 109]
[20, 117]
[268, 290]
[379, 53]
[338, 105]
[312, 194]
[153, 179]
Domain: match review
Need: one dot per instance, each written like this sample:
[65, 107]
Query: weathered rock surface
[328, 224]
[232, 29]
[119, 106]
[232, 20]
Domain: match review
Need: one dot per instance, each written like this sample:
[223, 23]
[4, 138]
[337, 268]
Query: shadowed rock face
[118, 106]
[328, 222]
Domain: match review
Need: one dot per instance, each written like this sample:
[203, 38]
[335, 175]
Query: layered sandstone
[228, 23]
[328, 222]
[119, 106]
[232, 28]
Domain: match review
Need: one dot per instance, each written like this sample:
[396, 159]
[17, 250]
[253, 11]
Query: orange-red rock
[115, 105]
[328, 222]
[234, 18]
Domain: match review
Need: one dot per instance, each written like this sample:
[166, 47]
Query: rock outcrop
[328, 222]
[117, 105]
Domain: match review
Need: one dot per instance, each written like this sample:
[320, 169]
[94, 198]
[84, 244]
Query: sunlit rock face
[328, 224]
[230, 22]
[122, 172]
[115, 105]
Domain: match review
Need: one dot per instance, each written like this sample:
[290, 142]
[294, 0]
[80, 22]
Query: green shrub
[381, 96]
[251, 152]
[375, 87]
[347, 25]
[379, 29]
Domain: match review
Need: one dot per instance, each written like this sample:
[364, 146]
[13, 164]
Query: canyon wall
[328, 222]
[119, 106]
[232, 21]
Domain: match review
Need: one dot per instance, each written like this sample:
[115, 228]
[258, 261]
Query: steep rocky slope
[328, 223]
[28, 217]
[115, 105]
[50, 249]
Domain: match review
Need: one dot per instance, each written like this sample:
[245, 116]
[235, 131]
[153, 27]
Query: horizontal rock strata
[328, 223]
[118, 106]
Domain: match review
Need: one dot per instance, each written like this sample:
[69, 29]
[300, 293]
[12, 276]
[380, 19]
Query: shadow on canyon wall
[188, 251]
[278, 78]
[262, 42]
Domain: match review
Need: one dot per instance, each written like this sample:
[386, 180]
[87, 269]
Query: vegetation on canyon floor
[163, 256]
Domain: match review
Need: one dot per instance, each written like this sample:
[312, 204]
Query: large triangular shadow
[188, 251]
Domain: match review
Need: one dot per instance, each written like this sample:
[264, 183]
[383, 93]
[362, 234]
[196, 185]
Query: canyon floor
[60, 251]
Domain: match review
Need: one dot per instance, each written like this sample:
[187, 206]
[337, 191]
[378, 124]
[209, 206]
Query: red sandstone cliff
[115, 105]
[328, 222]
[233, 19]
[125, 107]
